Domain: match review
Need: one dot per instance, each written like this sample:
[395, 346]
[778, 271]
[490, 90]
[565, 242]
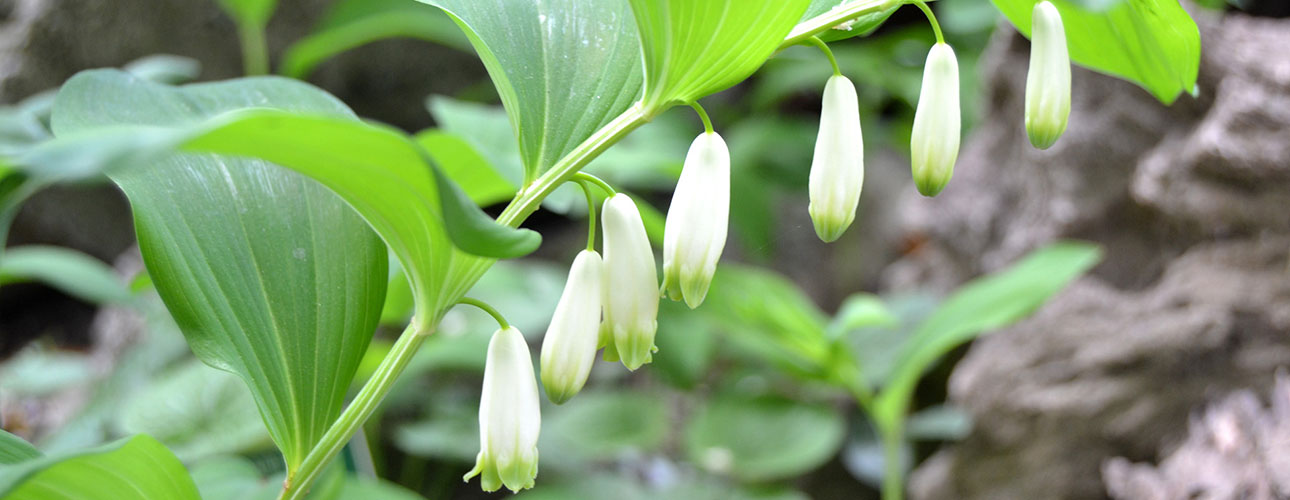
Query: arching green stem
[591, 214]
[824, 47]
[598, 182]
[940, 38]
[501, 321]
[703, 115]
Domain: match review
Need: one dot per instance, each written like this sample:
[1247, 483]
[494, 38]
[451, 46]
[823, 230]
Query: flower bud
[695, 233]
[837, 170]
[935, 140]
[1048, 83]
[630, 285]
[509, 416]
[569, 348]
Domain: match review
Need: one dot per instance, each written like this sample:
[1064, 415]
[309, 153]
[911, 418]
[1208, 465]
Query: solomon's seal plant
[281, 281]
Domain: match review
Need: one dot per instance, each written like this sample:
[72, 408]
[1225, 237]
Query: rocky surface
[1238, 449]
[1191, 202]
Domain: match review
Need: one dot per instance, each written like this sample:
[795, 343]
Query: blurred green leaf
[763, 439]
[687, 342]
[38, 372]
[602, 425]
[14, 449]
[1153, 43]
[352, 23]
[563, 68]
[68, 270]
[233, 478]
[938, 423]
[450, 431]
[197, 412]
[165, 68]
[981, 306]
[861, 26]
[693, 48]
[464, 165]
[861, 310]
[771, 316]
[268, 274]
[134, 467]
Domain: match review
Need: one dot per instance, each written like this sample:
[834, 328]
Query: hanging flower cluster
[612, 302]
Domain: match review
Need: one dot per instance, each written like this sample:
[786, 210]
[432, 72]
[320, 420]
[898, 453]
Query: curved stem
[483, 306]
[595, 181]
[893, 470]
[824, 47]
[350, 420]
[255, 50]
[591, 215]
[703, 115]
[940, 38]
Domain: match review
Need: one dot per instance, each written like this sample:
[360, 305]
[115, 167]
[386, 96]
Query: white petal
[934, 145]
[837, 169]
[569, 348]
[697, 220]
[631, 282]
[1048, 82]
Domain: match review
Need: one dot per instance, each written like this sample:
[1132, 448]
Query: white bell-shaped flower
[509, 416]
[630, 285]
[569, 348]
[697, 220]
[837, 170]
[934, 146]
[1048, 82]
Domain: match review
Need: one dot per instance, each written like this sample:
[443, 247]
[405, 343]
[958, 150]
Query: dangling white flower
[1048, 83]
[630, 287]
[935, 141]
[509, 416]
[837, 170]
[695, 233]
[569, 348]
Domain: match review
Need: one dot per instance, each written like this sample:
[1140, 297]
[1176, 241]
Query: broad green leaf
[763, 439]
[693, 48]
[41, 372]
[1153, 43]
[474, 231]
[269, 275]
[467, 167]
[602, 425]
[14, 449]
[197, 412]
[983, 305]
[135, 467]
[940, 422]
[351, 23]
[563, 68]
[66, 269]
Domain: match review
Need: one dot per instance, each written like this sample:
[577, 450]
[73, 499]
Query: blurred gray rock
[1236, 450]
[1192, 204]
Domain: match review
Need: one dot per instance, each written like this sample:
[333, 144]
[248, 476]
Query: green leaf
[983, 305]
[763, 439]
[603, 425]
[14, 449]
[693, 48]
[467, 167]
[770, 315]
[197, 412]
[1153, 43]
[134, 467]
[474, 231]
[165, 68]
[563, 68]
[68, 270]
[269, 275]
[233, 478]
[352, 23]
[43, 372]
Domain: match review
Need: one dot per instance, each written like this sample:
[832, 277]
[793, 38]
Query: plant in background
[280, 275]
